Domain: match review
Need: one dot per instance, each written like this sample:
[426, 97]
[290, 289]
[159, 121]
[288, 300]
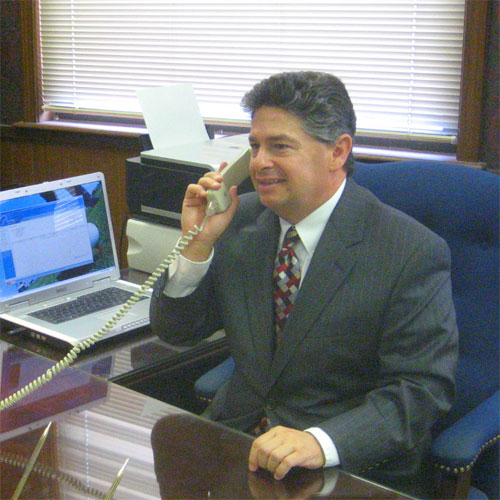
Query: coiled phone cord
[85, 344]
[15, 460]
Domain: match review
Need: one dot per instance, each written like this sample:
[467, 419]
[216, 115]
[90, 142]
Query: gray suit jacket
[370, 346]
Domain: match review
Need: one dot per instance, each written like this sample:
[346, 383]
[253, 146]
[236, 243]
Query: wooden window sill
[361, 153]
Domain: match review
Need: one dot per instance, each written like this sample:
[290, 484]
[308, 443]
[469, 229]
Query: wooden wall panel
[31, 156]
[17, 165]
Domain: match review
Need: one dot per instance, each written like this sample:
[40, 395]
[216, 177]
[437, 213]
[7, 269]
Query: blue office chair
[462, 205]
[206, 386]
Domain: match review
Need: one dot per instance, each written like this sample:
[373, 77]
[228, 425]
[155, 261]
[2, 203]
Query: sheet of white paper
[172, 115]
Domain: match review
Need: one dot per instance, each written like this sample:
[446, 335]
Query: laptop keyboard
[83, 305]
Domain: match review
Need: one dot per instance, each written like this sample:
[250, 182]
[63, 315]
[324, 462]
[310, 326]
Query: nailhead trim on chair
[204, 399]
[468, 467]
[371, 467]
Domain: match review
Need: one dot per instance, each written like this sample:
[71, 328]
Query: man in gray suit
[364, 364]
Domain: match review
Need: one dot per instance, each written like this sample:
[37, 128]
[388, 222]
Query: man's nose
[261, 159]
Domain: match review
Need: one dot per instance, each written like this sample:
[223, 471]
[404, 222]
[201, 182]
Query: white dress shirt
[185, 275]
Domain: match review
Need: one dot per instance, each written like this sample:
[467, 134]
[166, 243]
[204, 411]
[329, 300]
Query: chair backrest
[461, 204]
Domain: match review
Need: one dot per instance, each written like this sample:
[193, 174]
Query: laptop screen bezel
[71, 285]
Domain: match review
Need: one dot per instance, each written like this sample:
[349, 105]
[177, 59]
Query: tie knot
[291, 237]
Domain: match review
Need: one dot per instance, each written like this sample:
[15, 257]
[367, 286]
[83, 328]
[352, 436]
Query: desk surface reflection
[98, 425]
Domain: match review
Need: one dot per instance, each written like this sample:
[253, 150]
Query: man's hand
[194, 209]
[282, 448]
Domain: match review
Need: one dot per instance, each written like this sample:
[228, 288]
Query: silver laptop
[59, 272]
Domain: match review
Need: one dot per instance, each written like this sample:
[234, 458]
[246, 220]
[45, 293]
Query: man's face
[292, 172]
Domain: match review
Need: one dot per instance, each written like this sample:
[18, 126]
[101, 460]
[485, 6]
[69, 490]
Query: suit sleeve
[185, 320]
[417, 358]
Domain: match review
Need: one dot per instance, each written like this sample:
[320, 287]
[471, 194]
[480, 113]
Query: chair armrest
[457, 448]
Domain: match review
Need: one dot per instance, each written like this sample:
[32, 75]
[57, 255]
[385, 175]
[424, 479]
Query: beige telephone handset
[233, 175]
[218, 201]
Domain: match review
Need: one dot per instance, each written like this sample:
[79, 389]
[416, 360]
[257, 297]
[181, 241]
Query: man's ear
[340, 151]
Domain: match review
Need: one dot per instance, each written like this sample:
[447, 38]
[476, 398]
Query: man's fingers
[195, 194]
[211, 180]
[278, 460]
[280, 449]
[267, 450]
[288, 461]
[274, 458]
[260, 450]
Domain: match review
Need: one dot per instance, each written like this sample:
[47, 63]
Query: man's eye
[280, 146]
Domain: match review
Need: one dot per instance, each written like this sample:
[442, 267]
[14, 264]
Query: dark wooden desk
[138, 360]
[196, 458]
[142, 362]
[97, 425]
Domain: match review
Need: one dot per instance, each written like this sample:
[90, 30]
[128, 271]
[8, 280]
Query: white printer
[155, 185]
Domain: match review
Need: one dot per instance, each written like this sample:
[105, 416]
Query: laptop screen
[52, 236]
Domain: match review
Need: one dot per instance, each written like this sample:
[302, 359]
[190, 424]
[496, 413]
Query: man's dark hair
[319, 100]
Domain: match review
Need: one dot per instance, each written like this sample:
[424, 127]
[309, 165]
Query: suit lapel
[333, 259]
[261, 247]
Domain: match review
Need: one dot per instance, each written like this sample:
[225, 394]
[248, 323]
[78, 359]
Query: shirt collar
[311, 227]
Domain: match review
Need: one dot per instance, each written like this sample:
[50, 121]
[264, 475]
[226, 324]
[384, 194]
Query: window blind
[400, 59]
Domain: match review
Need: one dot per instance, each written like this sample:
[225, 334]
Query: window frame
[469, 126]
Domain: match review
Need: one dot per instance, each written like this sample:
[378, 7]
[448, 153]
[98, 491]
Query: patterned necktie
[286, 279]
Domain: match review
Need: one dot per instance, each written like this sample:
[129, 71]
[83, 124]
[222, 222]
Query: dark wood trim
[473, 60]
[112, 138]
[40, 133]
[28, 10]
